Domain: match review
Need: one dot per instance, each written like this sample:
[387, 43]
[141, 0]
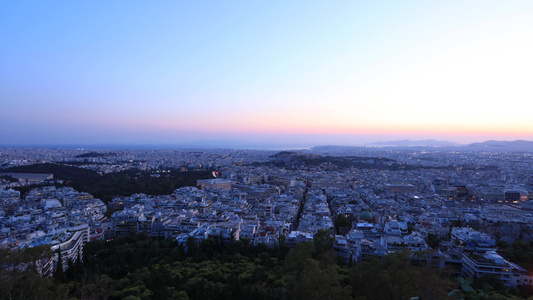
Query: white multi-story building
[72, 245]
[492, 264]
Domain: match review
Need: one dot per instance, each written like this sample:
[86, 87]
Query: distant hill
[502, 146]
[95, 154]
[298, 160]
[293, 154]
[418, 143]
[490, 146]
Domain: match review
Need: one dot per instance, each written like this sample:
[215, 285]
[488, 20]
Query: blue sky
[342, 72]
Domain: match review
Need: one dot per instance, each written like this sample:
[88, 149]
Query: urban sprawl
[454, 205]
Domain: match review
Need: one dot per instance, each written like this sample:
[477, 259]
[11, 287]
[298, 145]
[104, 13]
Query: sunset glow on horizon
[345, 72]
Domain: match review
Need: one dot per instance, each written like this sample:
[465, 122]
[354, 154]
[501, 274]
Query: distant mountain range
[419, 143]
[491, 145]
[503, 146]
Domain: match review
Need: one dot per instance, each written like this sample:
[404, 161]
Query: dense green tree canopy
[138, 267]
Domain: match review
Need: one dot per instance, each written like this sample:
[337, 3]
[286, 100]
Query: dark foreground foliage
[520, 252]
[138, 267]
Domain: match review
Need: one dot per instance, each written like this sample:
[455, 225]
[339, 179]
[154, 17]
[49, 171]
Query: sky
[264, 72]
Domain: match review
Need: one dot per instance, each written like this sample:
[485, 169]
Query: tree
[433, 240]
[371, 281]
[341, 221]
[307, 280]
[59, 275]
[323, 242]
[190, 246]
[402, 275]
[430, 285]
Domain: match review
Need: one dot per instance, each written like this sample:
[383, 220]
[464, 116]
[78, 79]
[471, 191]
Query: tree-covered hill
[123, 183]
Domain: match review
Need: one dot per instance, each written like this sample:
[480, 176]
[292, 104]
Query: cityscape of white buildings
[469, 200]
